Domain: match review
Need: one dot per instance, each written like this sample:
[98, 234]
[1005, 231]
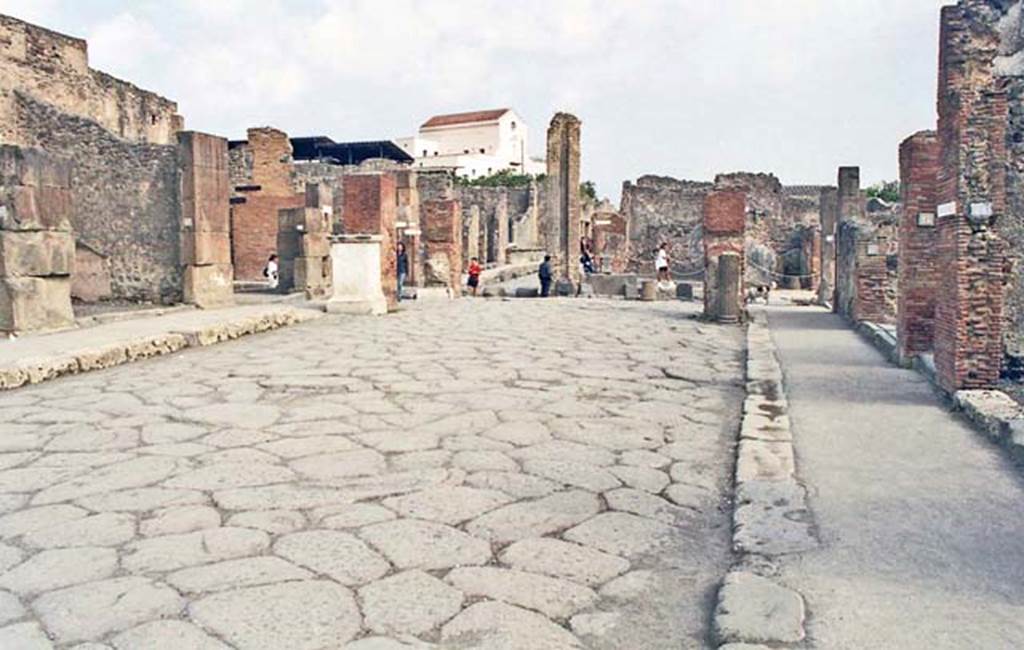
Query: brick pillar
[829, 207]
[304, 255]
[725, 216]
[971, 194]
[371, 205]
[205, 219]
[919, 271]
[561, 223]
[37, 250]
[441, 221]
[849, 210]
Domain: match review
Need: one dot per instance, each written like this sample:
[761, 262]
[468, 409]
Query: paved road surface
[480, 474]
[922, 521]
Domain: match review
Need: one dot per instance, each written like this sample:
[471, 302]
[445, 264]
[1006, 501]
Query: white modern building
[474, 144]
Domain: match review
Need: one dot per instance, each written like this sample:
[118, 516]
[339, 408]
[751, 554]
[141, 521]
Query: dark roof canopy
[346, 153]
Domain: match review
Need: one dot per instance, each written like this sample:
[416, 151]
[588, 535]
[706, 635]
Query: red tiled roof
[464, 118]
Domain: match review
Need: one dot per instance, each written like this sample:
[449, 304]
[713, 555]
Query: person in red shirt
[474, 275]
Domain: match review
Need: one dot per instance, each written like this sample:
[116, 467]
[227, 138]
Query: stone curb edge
[770, 517]
[40, 369]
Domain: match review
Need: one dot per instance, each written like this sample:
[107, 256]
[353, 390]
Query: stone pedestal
[355, 275]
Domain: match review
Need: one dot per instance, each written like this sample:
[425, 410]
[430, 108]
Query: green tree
[885, 190]
[588, 190]
[504, 178]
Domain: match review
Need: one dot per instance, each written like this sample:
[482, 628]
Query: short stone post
[729, 301]
[37, 250]
[371, 207]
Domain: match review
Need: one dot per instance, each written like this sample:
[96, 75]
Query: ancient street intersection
[478, 474]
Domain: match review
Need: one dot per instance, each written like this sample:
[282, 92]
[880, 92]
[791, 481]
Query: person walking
[270, 272]
[661, 263]
[474, 275]
[544, 273]
[402, 267]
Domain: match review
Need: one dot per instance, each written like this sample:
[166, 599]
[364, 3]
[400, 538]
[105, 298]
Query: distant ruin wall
[662, 209]
[54, 68]
[125, 199]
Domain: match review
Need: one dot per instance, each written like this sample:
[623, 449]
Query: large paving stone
[645, 504]
[354, 515]
[522, 486]
[170, 552]
[119, 476]
[280, 497]
[56, 568]
[307, 615]
[482, 460]
[447, 504]
[560, 559]
[581, 475]
[535, 518]
[414, 544]
[552, 597]
[752, 609]
[275, 522]
[141, 499]
[10, 607]
[621, 533]
[179, 519]
[497, 625]
[299, 447]
[95, 609]
[24, 636]
[336, 554]
[772, 518]
[167, 635]
[361, 462]
[388, 643]
[232, 574]
[641, 478]
[9, 556]
[222, 476]
[29, 519]
[561, 449]
[104, 529]
[412, 602]
[521, 433]
[248, 416]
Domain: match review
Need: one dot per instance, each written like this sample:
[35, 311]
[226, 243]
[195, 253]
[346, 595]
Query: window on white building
[482, 150]
[425, 153]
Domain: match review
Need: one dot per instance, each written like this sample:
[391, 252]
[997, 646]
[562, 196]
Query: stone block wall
[303, 248]
[919, 271]
[662, 209]
[54, 69]
[764, 221]
[125, 199]
[724, 226]
[371, 205]
[829, 211]
[205, 220]
[441, 221]
[37, 250]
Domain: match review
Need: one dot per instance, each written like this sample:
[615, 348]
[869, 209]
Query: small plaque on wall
[926, 219]
[947, 209]
[873, 249]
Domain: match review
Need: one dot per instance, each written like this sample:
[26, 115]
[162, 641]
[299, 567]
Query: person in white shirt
[661, 263]
[270, 272]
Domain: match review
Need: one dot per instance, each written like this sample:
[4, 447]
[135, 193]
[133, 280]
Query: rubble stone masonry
[919, 271]
[441, 221]
[303, 246]
[560, 223]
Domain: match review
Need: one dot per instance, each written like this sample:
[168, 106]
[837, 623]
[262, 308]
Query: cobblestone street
[475, 474]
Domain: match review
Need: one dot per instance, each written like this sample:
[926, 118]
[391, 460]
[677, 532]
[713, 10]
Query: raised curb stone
[752, 609]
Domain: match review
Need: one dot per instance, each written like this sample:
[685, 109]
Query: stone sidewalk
[522, 474]
[918, 516]
[37, 358]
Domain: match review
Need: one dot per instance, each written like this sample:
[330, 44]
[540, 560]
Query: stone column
[37, 250]
[725, 216]
[441, 221]
[829, 207]
[919, 272]
[971, 195]
[205, 219]
[371, 205]
[560, 227]
[850, 215]
[304, 257]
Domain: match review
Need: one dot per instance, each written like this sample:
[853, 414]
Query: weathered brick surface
[611, 241]
[919, 271]
[371, 207]
[560, 221]
[829, 210]
[254, 232]
[442, 243]
[724, 232]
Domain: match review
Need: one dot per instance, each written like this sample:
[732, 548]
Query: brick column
[304, 252]
[371, 204]
[441, 221]
[561, 223]
[919, 271]
[205, 219]
[829, 207]
[971, 194]
[37, 250]
[725, 217]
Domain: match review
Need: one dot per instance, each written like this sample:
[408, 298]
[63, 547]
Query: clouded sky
[685, 88]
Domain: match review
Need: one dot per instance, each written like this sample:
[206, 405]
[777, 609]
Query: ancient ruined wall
[919, 272]
[302, 243]
[972, 132]
[435, 185]
[371, 205]
[764, 203]
[559, 223]
[724, 222]
[610, 238]
[54, 68]
[662, 209]
[441, 221]
[495, 208]
[125, 199]
[205, 219]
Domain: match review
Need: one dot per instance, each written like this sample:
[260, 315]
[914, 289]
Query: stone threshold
[771, 518]
[990, 412]
[35, 359]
